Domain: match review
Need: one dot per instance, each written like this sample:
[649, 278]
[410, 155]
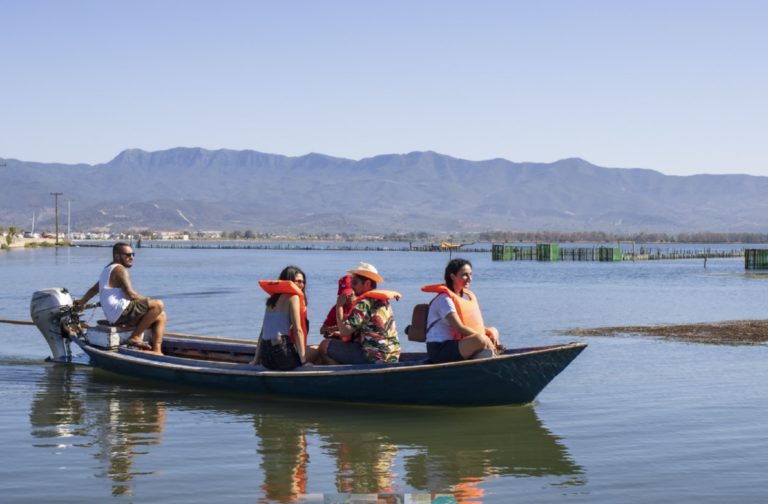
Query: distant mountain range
[198, 189]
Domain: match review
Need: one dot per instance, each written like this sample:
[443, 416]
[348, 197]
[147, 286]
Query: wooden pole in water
[172, 334]
[56, 200]
[17, 322]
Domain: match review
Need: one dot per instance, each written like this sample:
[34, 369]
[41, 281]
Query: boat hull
[516, 377]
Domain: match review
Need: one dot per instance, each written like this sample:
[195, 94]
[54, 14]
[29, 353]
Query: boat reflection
[71, 410]
[355, 448]
[441, 450]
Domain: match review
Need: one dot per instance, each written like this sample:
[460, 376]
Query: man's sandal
[138, 345]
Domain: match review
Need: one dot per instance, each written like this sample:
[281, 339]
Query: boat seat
[119, 327]
[106, 335]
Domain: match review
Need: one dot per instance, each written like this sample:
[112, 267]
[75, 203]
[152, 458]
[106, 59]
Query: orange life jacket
[380, 294]
[467, 308]
[291, 289]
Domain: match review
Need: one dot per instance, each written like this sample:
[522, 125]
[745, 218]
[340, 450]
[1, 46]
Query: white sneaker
[485, 353]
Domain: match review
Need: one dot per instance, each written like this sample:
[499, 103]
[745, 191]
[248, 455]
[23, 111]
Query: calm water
[631, 420]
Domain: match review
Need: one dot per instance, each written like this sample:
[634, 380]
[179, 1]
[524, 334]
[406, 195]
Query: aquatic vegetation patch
[731, 332]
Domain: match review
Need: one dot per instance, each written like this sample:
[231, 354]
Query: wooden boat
[514, 377]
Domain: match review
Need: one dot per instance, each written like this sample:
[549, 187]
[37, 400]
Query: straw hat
[368, 271]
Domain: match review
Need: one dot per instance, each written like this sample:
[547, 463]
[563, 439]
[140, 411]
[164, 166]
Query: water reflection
[441, 450]
[284, 457]
[367, 449]
[69, 409]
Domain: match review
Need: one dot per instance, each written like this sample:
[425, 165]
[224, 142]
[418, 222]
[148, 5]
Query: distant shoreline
[638, 252]
[570, 252]
[26, 243]
[288, 244]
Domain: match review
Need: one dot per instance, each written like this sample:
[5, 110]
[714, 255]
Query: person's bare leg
[313, 355]
[158, 331]
[155, 309]
[470, 345]
[493, 334]
[256, 356]
[153, 315]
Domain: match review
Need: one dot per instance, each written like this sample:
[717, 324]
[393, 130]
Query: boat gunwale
[132, 356]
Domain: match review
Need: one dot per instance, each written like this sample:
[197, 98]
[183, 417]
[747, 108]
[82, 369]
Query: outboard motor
[53, 313]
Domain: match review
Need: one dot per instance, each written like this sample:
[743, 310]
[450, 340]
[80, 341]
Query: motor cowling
[51, 311]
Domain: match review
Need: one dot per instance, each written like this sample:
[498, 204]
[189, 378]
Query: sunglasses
[129, 254]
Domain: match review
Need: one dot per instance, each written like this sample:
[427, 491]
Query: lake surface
[631, 420]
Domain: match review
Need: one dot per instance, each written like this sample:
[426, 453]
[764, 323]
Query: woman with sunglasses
[283, 339]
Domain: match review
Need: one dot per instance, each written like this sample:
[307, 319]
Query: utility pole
[69, 219]
[56, 200]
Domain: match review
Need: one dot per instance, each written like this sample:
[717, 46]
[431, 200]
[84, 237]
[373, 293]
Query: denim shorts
[279, 354]
[346, 352]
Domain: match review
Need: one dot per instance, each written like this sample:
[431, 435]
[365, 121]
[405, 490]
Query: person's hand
[341, 300]
[493, 335]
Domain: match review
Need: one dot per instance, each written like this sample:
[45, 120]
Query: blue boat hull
[515, 377]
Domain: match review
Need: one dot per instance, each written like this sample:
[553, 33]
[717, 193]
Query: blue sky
[677, 86]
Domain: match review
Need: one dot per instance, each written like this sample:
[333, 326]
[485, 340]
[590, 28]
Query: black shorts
[279, 354]
[133, 313]
[444, 351]
[346, 352]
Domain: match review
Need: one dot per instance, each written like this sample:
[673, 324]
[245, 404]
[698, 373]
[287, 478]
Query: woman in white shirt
[455, 328]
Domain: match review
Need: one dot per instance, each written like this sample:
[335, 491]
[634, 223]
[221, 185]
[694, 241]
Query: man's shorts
[346, 352]
[133, 313]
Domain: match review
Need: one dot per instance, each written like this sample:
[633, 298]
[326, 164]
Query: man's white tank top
[113, 300]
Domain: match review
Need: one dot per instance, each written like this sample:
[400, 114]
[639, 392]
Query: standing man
[124, 306]
[370, 324]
